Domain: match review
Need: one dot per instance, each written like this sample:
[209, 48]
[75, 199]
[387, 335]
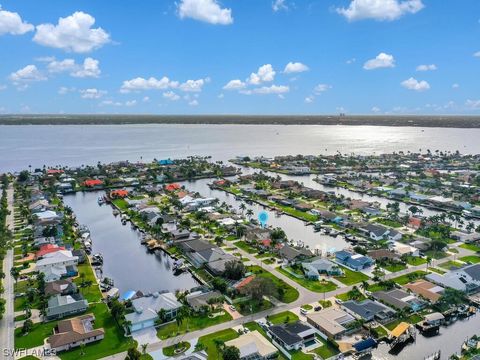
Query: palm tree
[364, 285]
[249, 214]
[242, 207]
[144, 348]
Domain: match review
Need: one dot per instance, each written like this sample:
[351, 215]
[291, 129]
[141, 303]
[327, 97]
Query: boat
[101, 200]
[115, 212]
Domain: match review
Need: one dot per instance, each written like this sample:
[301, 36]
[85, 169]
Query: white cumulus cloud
[414, 84]
[278, 5]
[383, 10]
[473, 104]
[89, 68]
[193, 85]
[265, 73]
[151, 83]
[29, 73]
[429, 67]
[382, 60]
[208, 11]
[170, 95]
[295, 67]
[11, 23]
[235, 85]
[273, 89]
[73, 33]
[92, 93]
[320, 88]
[477, 54]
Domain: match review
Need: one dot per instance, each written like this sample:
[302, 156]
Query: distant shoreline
[352, 120]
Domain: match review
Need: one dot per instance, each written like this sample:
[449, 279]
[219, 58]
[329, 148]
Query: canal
[126, 261]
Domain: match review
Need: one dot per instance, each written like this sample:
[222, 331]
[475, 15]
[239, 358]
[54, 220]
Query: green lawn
[471, 259]
[170, 350]
[405, 279]
[121, 204]
[380, 332]
[209, 341]
[351, 277]
[438, 271]
[313, 285]
[471, 247]
[252, 307]
[91, 293]
[327, 350]
[412, 319]
[388, 222]
[113, 342]
[436, 254]
[300, 355]
[415, 260]
[394, 267]
[193, 323]
[290, 294]
[346, 296]
[450, 264]
[244, 246]
[283, 317]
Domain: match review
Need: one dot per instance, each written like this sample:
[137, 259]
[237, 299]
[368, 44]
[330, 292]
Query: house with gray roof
[316, 267]
[60, 306]
[368, 310]
[400, 299]
[466, 279]
[352, 260]
[146, 308]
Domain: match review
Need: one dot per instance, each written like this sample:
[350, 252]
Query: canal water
[125, 260]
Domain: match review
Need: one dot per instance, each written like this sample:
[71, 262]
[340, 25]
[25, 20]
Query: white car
[303, 311]
[233, 308]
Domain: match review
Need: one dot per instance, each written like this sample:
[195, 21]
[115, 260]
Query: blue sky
[231, 56]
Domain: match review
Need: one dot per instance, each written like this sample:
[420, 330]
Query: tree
[219, 284]
[259, 287]
[27, 326]
[219, 344]
[231, 353]
[144, 348]
[234, 270]
[117, 309]
[133, 354]
[364, 285]
[162, 315]
[15, 272]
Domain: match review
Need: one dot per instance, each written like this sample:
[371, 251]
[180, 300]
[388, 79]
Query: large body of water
[129, 263]
[21, 146]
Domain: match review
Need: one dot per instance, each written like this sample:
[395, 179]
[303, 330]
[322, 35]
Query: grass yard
[282, 318]
[327, 350]
[113, 342]
[249, 307]
[471, 247]
[209, 341]
[346, 296]
[290, 294]
[351, 277]
[380, 332]
[121, 204]
[449, 265]
[300, 355]
[412, 319]
[394, 267]
[471, 259]
[405, 279]
[91, 293]
[194, 323]
[313, 285]
[245, 247]
[415, 260]
[170, 350]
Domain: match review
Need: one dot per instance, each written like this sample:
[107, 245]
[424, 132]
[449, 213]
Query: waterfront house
[54, 273]
[394, 235]
[316, 267]
[48, 249]
[72, 333]
[47, 216]
[292, 336]
[383, 254]
[465, 236]
[333, 322]
[368, 310]
[399, 299]
[199, 299]
[354, 261]
[293, 255]
[60, 287]
[466, 279]
[375, 232]
[58, 258]
[253, 346]
[92, 183]
[146, 308]
[426, 290]
[39, 206]
[403, 249]
[60, 306]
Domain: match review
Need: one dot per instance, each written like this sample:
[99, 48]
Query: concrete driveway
[146, 336]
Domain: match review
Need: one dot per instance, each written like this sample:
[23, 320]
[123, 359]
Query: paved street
[7, 324]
